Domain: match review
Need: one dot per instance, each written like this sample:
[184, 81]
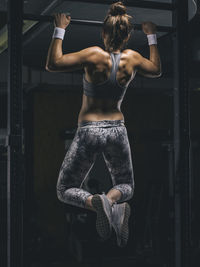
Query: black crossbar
[46, 18]
[134, 3]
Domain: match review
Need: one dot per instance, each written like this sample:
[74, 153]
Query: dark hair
[117, 26]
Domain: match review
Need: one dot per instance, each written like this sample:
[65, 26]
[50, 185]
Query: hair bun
[117, 9]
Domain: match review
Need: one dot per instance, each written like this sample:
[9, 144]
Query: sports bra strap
[115, 63]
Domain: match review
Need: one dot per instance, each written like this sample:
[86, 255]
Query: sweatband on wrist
[152, 39]
[58, 33]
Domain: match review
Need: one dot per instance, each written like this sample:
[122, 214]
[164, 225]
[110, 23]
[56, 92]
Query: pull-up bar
[135, 3]
[46, 18]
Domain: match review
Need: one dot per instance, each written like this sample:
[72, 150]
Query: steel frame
[134, 3]
[15, 185]
[182, 178]
[15, 182]
[46, 18]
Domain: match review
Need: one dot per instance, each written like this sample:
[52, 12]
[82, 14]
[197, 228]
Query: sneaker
[120, 217]
[104, 215]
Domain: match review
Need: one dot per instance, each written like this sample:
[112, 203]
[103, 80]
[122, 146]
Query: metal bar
[134, 3]
[182, 209]
[14, 138]
[46, 18]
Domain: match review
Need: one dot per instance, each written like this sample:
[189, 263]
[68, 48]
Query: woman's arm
[149, 67]
[56, 61]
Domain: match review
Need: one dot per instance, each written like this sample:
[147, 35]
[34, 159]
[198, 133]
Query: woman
[101, 127]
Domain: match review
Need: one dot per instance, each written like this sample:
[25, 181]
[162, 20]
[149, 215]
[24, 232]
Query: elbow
[47, 68]
[157, 73]
[50, 67]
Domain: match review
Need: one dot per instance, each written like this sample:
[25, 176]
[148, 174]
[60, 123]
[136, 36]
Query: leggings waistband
[102, 123]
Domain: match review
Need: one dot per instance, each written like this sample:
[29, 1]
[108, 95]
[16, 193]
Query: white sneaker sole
[103, 224]
[122, 233]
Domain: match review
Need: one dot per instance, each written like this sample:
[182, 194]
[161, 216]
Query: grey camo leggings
[108, 137]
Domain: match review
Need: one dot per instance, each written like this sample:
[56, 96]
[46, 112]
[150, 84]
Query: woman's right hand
[149, 27]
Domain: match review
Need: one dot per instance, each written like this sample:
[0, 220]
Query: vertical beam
[181, 137]
[14, 144]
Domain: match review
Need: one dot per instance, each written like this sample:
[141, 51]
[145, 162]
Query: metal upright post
[15, 181]
[181, 137]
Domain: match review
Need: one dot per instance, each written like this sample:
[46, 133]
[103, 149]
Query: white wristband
[152, 39]
[58, 33]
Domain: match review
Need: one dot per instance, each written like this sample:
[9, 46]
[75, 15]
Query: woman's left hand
[61, 20]
[149, 27]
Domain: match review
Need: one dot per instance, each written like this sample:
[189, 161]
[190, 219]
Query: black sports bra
[109, 88]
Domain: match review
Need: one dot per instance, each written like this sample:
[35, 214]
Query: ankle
[88, 204]
[111, 201]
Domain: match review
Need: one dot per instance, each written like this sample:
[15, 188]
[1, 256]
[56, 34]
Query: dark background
[56, 234]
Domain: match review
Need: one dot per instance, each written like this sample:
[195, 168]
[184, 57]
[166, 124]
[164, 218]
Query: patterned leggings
[108, 137]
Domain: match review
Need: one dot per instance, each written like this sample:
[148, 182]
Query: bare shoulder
[133, 56]
[132, 53]
[92, 50]
[95, 54]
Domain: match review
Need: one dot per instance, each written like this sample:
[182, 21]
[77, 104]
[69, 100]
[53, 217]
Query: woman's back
[101, 65]
[100, 100]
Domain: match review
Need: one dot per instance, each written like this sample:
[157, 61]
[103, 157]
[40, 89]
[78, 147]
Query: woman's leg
[114, 195]
[76, 165]
[117, 155]
[88, 203]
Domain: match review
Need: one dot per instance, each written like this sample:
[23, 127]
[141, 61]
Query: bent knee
[59, 194]
[127, 191]
[130, 191]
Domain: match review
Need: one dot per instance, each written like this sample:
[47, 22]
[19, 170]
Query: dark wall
[54, 112]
